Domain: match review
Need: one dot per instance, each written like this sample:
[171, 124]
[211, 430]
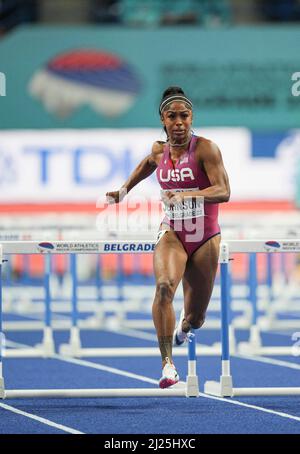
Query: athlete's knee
[165, 290]
[195, 321]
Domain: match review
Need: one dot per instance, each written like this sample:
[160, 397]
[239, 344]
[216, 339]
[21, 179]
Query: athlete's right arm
[145, 168]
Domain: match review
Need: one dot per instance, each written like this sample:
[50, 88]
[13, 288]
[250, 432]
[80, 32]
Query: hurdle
[280, 304]
[98, 320]
[189, 389]
[61, 292]
[46, 348]
[224, 387]
[74, 347]
[254, 345]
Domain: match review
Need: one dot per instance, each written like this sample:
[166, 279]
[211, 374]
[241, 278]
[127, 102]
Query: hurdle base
[246, 348]
[254, 345]
[268, 324]
[70, 350]
[47, 347]
[223, 388]
[96, 321]
[74, 346]
[192, 386]
[46, 350]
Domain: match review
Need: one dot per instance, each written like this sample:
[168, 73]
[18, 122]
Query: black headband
[174, 98]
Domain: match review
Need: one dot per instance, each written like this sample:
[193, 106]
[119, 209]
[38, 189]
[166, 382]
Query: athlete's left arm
[210, 159]
[209, 156]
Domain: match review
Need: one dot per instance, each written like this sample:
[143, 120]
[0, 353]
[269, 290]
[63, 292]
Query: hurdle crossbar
[93, 393]
[146, 352]
[224, 387]
[121, 246]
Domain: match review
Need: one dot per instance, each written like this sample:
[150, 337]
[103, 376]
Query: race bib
[191, 207]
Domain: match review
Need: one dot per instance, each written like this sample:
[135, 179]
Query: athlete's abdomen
[184, 176]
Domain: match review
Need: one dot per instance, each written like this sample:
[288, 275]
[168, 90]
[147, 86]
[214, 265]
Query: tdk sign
[88, 165]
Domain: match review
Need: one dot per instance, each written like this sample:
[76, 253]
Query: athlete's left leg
[198, 282]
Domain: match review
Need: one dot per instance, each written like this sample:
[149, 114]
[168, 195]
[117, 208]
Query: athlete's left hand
[174, 198]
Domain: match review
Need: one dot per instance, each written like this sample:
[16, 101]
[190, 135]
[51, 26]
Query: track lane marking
[45, 421]
[231, 401]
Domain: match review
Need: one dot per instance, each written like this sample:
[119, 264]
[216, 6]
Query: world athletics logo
[45, 247]
[82, 77]
[272, 246]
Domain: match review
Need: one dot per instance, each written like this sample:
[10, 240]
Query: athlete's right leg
[170, 260]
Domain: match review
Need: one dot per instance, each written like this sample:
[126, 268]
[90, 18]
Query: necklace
[181, 144]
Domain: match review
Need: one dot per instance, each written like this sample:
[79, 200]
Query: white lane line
[284, 333]
[135, 334]
[276, 362]
[254, 407]
[260, 359]
[47, 422]
[272, 361]
[231, 401]
[102, 367]
[150, 380]
[80, 362]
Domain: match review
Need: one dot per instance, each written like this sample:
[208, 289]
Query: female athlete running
[193, 181]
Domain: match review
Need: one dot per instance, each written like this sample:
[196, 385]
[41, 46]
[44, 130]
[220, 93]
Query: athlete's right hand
[116, 196]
